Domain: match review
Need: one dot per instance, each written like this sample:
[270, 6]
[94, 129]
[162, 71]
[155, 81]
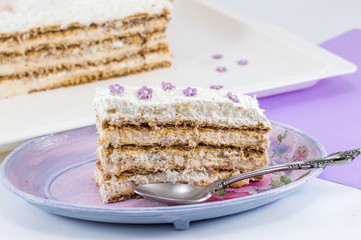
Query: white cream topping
[208, 107]
[21, 15]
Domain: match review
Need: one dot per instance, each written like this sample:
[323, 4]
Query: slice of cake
[164, 134]
[49, 44]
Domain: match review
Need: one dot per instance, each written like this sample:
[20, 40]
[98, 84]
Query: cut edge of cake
[163, 134]
[112, 40]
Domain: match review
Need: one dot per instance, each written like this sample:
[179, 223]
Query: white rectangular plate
[278, 62]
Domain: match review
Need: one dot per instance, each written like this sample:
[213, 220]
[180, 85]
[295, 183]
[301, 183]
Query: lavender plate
[54, 173]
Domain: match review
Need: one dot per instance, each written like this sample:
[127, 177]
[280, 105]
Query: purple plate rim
[58, 204]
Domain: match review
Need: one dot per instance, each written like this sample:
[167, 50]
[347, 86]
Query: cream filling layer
[181, 137]
[9, 88]
[115, 188]
[70, 37]
[199, 159]
[90, 54]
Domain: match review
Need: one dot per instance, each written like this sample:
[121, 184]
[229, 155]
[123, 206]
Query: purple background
[330, 111]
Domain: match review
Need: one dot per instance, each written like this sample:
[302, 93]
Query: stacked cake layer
[194, 136]
[50, 44]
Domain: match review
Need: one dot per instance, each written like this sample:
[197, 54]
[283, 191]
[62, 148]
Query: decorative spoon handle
[334, 159]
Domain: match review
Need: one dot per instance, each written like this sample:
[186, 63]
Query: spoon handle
[334, 159]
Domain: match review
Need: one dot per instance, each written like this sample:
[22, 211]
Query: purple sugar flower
[145, 93]
[217, 56]
[216, 87]
[168, 86]
[116, 88]
[221, 69]
[233, 97]
[242, 62]
[190, 92]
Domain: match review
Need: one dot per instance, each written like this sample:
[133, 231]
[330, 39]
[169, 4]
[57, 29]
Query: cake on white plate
[165, 134]
[46, 44]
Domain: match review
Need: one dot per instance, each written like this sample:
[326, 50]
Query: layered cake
[49, 44]
[165, 134]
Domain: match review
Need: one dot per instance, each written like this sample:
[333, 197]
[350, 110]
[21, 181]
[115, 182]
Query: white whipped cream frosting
[207, 107]
[21, 15]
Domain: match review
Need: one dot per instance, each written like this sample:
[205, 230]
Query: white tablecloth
[319, 210]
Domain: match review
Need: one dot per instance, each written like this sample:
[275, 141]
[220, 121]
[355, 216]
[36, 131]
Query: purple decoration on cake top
[242, 62]
[221, 69]
[145, 93]
[216, 87]
[217, 56]
[116, 88]
[168, 86]
[190, 92]
[232, 97]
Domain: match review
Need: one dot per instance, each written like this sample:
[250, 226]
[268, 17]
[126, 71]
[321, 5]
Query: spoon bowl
[173, 193]
[177, 194]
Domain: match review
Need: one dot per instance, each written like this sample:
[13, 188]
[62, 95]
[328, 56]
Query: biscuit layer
[138, 160]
